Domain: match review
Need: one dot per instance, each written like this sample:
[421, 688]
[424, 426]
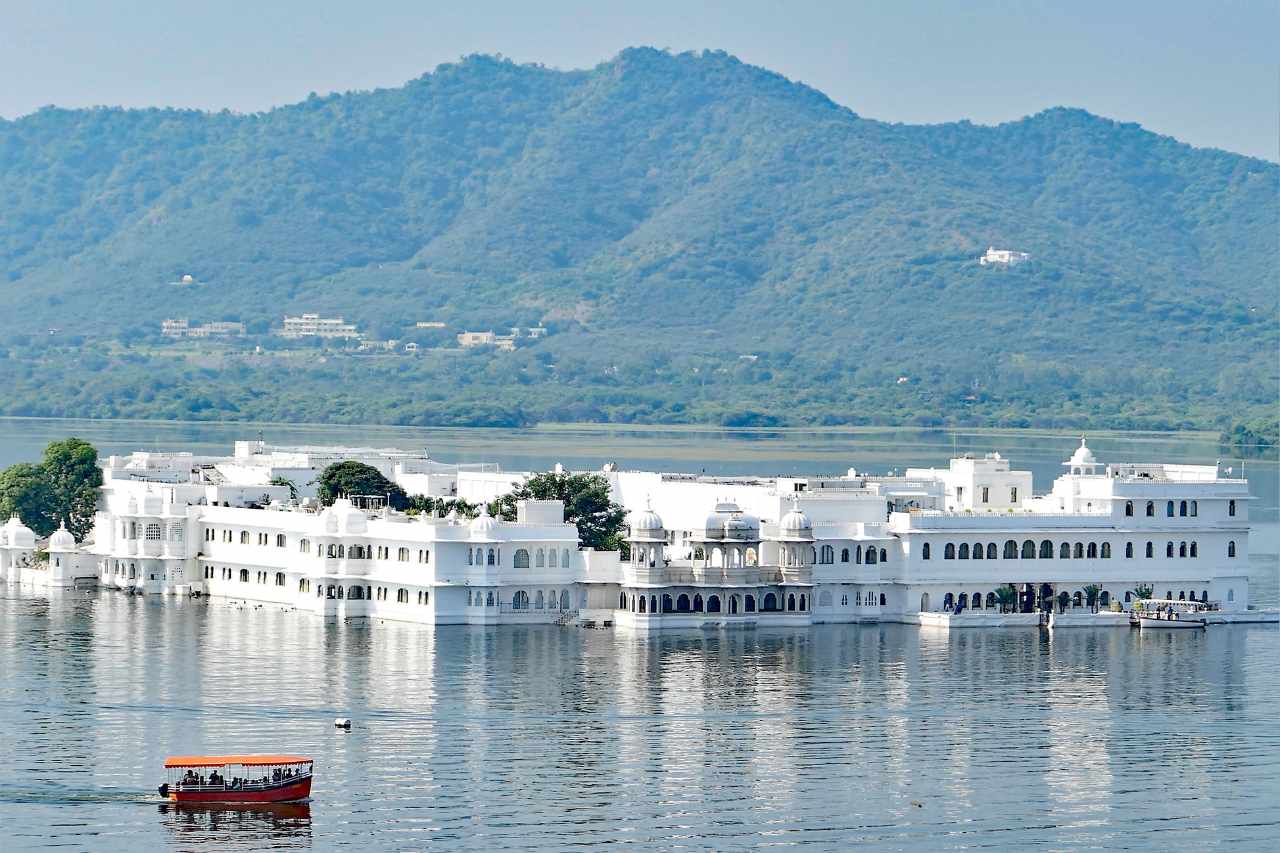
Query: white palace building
[931, 545]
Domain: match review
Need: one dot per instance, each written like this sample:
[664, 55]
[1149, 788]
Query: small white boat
[1164, 615]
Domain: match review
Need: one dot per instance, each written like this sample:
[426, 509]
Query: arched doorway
[924, 603]
[713, 604]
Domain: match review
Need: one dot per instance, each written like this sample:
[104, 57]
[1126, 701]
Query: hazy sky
[1205, 72]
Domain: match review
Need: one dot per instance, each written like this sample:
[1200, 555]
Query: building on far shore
[183, 329]
[504, 343]
[1002, 257]
[315, 326]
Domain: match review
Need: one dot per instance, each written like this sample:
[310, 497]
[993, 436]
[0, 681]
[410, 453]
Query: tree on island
[62, 488]
[600, 521]
[356, 478]
[440, 507]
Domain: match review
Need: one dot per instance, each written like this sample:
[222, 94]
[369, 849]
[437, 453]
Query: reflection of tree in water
[240, 828]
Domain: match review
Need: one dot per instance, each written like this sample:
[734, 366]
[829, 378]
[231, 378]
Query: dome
[647, 521]
[61, 539]
[19, 534]
[1082, 456]
[741, 526]
[796, 522]
[484, 524]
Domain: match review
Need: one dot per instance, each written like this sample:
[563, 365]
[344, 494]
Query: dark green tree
[600, 521]
[24, 492]
[356, 478]
[424, 505]
[73, 478]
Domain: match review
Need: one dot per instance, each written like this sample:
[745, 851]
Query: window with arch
[488, 600]
[491, 558]
[977, 550]
[883, 599]
[1195, 550]
[667, 604]
[1010, 549]
[1128, 550]
[1168, 509]
[1168, 549]
[949, 551]
[564, 599]
[1128, 509]
[520, 601]
[844, 555]
[1064, 551]
[1151, 509]
[713, 604]
[1093, 550]
[991, 550]
[521, 559]
[1182, 508]
[564, 561]
[402, 555]
[1231, 548]
[924, 551]
[244, 576]
[791, 601]
[1195, 508]
[402, 596]
[751, 604]
[1231, 594]
[280, 579]
[697, 603]
[770, 602]
[857, 555]
[540, 558]
[871, 556]
[1151, 550]
[1028, 550]
[1231, 507]
[244, 537]
[1077, 600]
[1106, 550]
[304, 546]
[280, 540]
[1182, 549]
[552, 560]
[1046, 550]
[884, 555]
[1078, 551]
[963, 553]
[828, 555]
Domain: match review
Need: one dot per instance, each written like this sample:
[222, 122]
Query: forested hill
[706, 241]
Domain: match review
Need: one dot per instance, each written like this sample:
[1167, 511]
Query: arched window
[1151, 550]
[1128, 550]
[521, 559]
[813, 555]
[1182, 595]
[1204, 595]
[520, 601]
[828, 555]
[553, 600]
[1231, 594]
[682, 603]
[564, 599]
[1195, 508]
[1231, 508]
[1064, 551]
[883, 599]
[884, 556]
[1093, 550]
[991, 600]
[642, 603]
[666, 604]
[751, 604]
[1182, 549]
[1168, 509]
[1128, 508]
[488, 599]
[924, 602]
[1046, 550]
[541, 559]
[1231, 549]
[924, 551]
[355, 593]
[1028, 550]
[279, 540]
[540, 601]
[1128, 596]
[791, 602]
[1195, 550]
[963, 601]
[770, 602]
[1077, 600]
[977, 550]
[871, 556]
[304, 545]
[551, 558]
[697, 603]
[844, 555]
[1010, 549]
[857, 555]
[803, 603]
[713, 604]
[1104, 599]
[402, 597]
[949, 551]
[1151, 509]
[1106, 550]
[653, 604]
[1168, 549]
[564, 561]
[964, 551]
[948, 602]
[991, 550]
[1078, 551]
[279, 578]
[402, 555]
[244, 576]
[490, 558]
[1182, 508]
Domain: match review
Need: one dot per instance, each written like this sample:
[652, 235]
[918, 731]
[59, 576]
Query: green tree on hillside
[587, 504]
[342, 479]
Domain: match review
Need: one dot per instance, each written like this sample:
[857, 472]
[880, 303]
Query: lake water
[552, 738]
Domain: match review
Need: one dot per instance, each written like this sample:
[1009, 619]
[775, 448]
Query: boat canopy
[223, 760]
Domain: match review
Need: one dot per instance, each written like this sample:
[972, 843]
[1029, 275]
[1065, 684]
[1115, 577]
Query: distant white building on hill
[184, 329]
[315, 326]
[1003, 257]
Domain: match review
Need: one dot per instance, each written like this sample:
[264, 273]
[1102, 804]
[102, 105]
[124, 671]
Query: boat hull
[1148, 622]
[292, 792]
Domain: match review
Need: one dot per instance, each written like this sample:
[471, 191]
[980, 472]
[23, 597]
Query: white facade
[1003, 257]
[716, 551]
[315, 326]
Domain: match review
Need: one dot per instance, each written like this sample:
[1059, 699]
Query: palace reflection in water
[546, 737]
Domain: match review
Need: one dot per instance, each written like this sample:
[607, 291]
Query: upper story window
[280, 540]
[1231, 507]
[924, 552]
[1128, 509]
[1013, 495]
[1168, 509]
[986, 494]
[244, 537]
[153, 533]
[1151, 509]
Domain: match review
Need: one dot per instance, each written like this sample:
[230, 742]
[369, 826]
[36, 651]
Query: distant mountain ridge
[666, 214]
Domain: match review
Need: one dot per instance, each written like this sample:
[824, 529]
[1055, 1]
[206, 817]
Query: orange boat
[197, 779]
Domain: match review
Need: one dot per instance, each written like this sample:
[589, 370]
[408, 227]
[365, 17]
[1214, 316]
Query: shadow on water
[239, 827]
